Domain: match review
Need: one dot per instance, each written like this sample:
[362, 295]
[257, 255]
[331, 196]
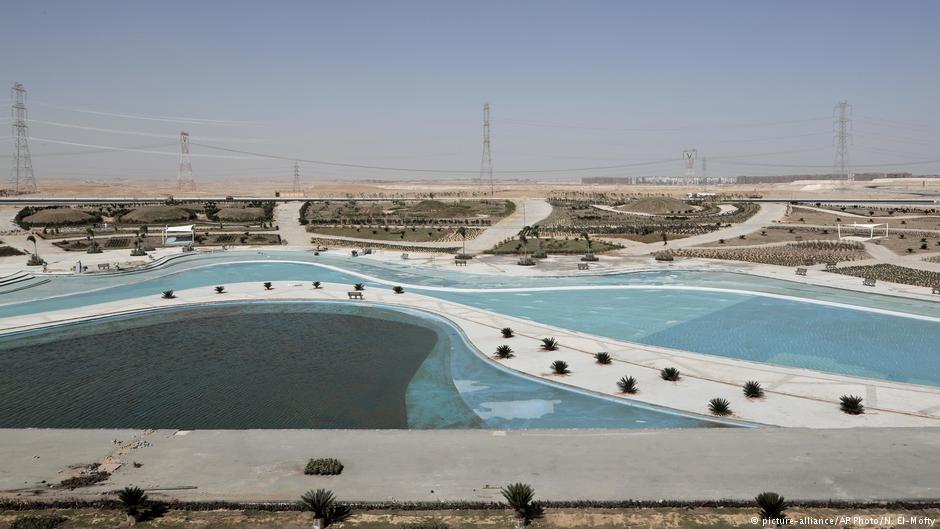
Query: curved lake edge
[424, 315]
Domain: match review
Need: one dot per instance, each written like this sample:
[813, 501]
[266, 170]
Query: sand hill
[656, 206]
[240, 214]
[54, 216]
[156, 214]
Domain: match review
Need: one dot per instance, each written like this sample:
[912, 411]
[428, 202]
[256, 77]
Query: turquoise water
[282, 365]
[747, 327]
[738, 325]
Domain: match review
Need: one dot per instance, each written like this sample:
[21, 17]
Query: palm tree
[32, 239]
[503, 351]
[587, 238]
[519, 496]
[772, 507]
[316, 284]
[398, 290]
[589, 255]
[540, 252]
[168, 294]
[267, 285]
[602, 358]
[359, 286]
[524, 239]
[462, 231]
[324, 507]
[549, 344]
[219, 289]
[507, 332]
[132, 499]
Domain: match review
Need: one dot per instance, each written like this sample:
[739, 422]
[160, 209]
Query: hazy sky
[402, 84]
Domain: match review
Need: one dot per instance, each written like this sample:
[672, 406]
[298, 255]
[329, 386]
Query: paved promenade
[404, 465]
[795, 397]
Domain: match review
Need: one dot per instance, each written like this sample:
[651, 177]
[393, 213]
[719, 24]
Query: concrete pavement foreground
[403, 465]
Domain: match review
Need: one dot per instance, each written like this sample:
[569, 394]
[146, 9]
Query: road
[768, 214]
[681, 464]
[528, 212]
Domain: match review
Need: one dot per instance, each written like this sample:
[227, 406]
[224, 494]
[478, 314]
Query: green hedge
[323, 467]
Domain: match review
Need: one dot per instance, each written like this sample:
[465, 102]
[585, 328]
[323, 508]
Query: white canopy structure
[855, 227]
[183, 234]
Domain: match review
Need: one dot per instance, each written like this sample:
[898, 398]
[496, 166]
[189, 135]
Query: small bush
[168, 294]
[84, 480]
[426, 524]
[772, 508]
[504, 351]
[398, 290]
[42, 521]
[753, 390]
[720, 407]
[316, 284]
[669, 373]
[851, 404]
[627, 385]
[549, 344]
[359, 286]
[602, 358]
[268, 285]
[560, 367]
[323, 467]
[219, 289]
[507, 332]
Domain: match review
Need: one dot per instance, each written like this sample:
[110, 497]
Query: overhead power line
[131, 149]
[793, 151]
[171, 119]
[418, 170]
[898, 124]
[811, 166]
[530, 123]
[138, 133]
[98, 150]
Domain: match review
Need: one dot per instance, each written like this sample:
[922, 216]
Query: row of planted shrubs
[268, 285]
[326, 510]
[850, 404]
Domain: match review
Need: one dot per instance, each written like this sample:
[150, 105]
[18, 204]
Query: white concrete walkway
[768, 214]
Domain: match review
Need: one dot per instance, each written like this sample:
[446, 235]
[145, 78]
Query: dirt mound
[440, 209]
[53, 216]
[656, 206]
[240, 214]
[156, 214]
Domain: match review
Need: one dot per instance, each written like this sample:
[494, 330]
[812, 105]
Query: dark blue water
[281, 365]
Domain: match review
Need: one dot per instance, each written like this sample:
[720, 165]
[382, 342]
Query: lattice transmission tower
[297, 188]
[486, 163]
[184, 178]
[689, 155]
[22, 179]
[842, 138]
